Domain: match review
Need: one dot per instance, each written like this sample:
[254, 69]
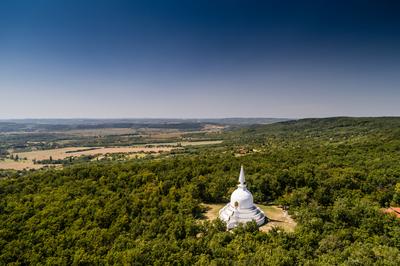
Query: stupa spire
[242, 181]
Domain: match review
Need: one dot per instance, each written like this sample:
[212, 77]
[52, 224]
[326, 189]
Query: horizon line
[192, 118]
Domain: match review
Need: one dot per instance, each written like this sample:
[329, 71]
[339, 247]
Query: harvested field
[187, 143]
[198, 143]
[18, 165]
[160, 134]
[97, 132]
[136, 151]
[63, 153]
[213, 128]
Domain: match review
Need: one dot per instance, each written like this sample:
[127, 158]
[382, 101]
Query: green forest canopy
[334, 174]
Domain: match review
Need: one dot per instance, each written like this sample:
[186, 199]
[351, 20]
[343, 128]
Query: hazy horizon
[181, 118]
[212, 59]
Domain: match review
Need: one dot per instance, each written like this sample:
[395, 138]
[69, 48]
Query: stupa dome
[242, 198]
[241, 208]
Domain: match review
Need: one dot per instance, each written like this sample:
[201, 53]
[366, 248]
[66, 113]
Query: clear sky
[208, 58]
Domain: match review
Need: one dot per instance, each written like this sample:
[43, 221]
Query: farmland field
[63, 153]
[27, 159]
[18, 165]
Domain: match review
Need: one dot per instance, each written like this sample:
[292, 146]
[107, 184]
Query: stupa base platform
[235, 216]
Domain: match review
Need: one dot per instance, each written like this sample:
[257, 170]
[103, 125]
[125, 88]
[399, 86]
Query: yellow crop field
[63, 153]
[27, 158]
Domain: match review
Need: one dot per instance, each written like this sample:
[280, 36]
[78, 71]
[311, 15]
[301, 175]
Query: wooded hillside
[334, 174]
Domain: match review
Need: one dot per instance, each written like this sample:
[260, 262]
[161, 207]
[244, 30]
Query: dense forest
[334, 174]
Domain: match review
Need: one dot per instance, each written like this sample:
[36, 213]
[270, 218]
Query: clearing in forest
[277, 217]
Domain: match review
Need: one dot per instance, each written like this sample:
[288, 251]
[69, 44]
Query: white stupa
[241, 209]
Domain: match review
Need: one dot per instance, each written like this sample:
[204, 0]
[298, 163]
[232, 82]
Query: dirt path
[277, 218]
[212, 211]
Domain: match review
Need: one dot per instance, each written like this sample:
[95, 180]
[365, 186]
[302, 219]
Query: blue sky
[183, 59]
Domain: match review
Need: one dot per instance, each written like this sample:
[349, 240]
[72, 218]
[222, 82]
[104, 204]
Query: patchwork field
[63, 153]
[26, 159]
[98, 132]
[188, 143]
